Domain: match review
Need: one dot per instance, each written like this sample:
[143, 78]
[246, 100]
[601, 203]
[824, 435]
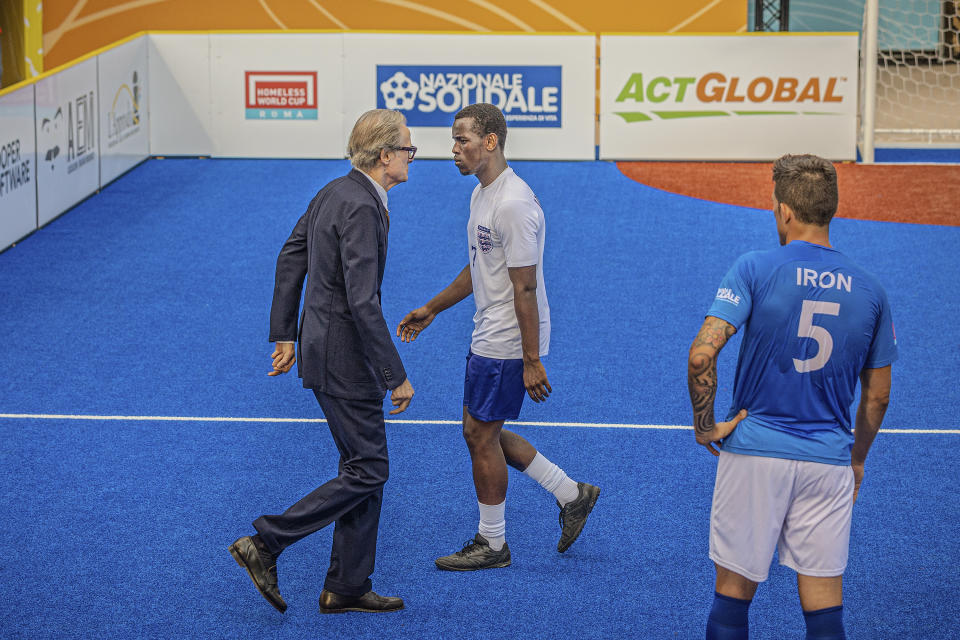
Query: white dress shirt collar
[376, 185]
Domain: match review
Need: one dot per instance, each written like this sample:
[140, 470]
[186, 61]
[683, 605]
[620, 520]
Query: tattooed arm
[702, 382]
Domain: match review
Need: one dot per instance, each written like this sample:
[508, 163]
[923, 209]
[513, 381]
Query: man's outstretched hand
[413, 323]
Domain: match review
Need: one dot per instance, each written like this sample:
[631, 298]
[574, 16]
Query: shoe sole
[576, 534]
[239, 559]
[499, 565]
[359, 610]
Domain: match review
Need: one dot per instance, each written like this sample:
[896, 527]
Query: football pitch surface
[142, 435]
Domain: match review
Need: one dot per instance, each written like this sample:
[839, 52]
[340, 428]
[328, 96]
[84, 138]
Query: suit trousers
[352, 499]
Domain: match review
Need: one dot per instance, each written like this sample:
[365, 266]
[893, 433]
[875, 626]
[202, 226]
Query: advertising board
[728, 97]
[544, 84]
[124, 109]
[277, 95]
[18, 166]
[68, 169]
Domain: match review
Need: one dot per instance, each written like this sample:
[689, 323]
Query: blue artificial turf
[151, 299]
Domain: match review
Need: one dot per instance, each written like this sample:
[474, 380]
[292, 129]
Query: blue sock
[728, 618]
[825, 624]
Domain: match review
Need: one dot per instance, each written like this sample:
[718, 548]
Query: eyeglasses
[411, 151]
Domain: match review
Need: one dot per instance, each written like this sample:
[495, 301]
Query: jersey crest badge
[484, 239]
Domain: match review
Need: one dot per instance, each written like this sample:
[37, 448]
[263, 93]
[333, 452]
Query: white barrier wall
[124, 117]
[66, 125]
[297, 95]
[543, 83]
[727, 97]
[178, 81]
[277, 95]
[18, 166]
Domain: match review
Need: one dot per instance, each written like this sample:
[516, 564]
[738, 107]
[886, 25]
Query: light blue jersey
[813, 320]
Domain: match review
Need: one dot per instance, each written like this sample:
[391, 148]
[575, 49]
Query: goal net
[910, 74]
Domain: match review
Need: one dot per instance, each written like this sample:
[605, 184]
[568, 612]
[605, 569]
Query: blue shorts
[493, 389]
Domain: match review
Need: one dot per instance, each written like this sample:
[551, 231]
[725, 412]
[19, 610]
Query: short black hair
[808, 184]
[487, 118]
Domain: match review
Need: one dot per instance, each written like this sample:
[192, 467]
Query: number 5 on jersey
[809, 330]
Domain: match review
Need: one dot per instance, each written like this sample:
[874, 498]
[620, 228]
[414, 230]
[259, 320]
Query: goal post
[910, 75]
[868, 73]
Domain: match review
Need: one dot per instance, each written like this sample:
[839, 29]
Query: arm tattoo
[702, 384]
[702, 371]
[714, 333]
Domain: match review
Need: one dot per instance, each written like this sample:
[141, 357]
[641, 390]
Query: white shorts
[803, 508]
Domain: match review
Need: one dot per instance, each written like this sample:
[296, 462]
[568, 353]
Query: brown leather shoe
[262, 569]
[369, 602]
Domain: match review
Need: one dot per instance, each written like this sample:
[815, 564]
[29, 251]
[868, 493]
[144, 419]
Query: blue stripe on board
[922, 155]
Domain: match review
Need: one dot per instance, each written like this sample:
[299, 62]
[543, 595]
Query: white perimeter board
[124, 110]
[67, 167]
[727, 97]
[543, 83]
[18, 166]
[178, 78]
[277, 95]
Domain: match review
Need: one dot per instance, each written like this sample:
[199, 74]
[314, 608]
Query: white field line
[592, 425]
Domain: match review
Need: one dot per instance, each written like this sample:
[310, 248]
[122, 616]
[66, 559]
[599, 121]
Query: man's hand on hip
[401, 396]
[720, 431]
[284, 356]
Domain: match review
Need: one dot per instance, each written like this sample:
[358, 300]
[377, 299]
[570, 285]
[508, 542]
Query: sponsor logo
[483, 239]
[281, 95]
[717, 94]
[429, 96]
[14, 169]
[728, 296]
[70, 127]
[123, 120]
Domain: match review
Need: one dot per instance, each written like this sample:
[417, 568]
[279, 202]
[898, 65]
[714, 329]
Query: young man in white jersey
[511, 332]
[790, 468]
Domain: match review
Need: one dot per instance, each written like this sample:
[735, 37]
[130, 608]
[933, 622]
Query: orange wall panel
[72, 28]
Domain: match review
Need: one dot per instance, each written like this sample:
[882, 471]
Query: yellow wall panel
[11, 42]
[32, 38]
[21, 32]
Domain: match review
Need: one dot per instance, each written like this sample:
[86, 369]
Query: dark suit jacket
[340, 244]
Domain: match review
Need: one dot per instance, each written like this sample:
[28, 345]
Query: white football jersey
[506, 229]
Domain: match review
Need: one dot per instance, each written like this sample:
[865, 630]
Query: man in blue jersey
[790, 467]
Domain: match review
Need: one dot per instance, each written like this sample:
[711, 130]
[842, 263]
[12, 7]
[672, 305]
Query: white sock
[493, 525]
[553, 479]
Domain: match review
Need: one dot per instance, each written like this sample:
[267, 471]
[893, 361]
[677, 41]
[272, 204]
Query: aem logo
[716, 87]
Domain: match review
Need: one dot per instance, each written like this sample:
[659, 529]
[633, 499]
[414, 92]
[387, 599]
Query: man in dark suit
[348, 360]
